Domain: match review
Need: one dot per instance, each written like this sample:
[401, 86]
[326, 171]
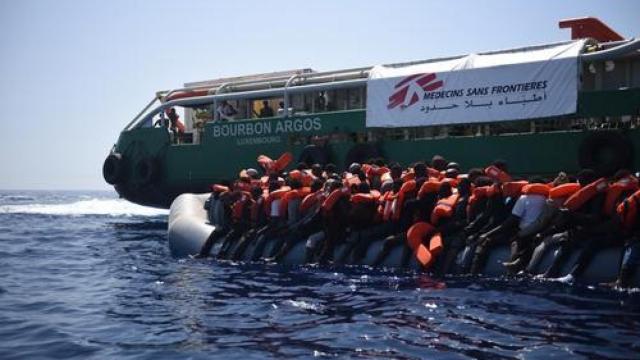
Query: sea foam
[96, 206]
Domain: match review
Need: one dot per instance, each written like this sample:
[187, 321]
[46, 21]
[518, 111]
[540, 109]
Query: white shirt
[528, 208]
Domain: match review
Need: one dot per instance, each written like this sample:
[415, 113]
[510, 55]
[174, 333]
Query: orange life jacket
[616, 191]
[444, 208]
[563, 190]
[416, 235]
[513, 189]
[287, 197]
[582, 196]
[217, 188]
[405, 191]
[495, 173]
[433, 173]
[238, 207]
[332, 199]
[273, 196]
[389, 198]
[311, 200]
[256, 207]
[429, 187]
[537, 189]
[365, 198]
[627, 211]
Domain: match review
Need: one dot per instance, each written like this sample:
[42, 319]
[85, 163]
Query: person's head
[302, 166]
[281, 104]
[453, 165]
[483, 181]
[265, 103]
[586, 177]
[364, 188]
[332, 185]
[500, 164]
[396, 171]
[316, 170]
[474, 174]
[420, 169]
[445, 190]
[397, 184]
[316, 184]
[253, 173]
[464, 187]
[379, 162]
[256, 192]
[295, 183]
[621, 174]
[438, 162]
[451, 173]
[354, 168]
[330, 168]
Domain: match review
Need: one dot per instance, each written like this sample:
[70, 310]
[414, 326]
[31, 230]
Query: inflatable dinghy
[189, 229]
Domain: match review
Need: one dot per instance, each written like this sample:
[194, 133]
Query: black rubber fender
[605, 152]
[146, 171]
[112, 169]
[314, 154]
[360, 153]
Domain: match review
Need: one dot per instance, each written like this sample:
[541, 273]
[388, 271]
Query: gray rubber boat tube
[189, 229]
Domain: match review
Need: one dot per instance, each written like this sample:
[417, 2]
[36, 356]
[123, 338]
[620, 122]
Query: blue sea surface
[87, 275]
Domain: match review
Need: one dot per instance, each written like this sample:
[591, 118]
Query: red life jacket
[444, 208]
[495, 173]
[582, 196]
[479, 193]
[627, 211]
[365, 198]
[616, 192]
[537, 189]
[217, 188]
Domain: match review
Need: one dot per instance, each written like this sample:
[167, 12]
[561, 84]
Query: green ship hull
[153, 171]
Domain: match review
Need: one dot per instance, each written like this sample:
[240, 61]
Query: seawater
[87, 275]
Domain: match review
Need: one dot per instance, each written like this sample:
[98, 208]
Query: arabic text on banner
[476, 88]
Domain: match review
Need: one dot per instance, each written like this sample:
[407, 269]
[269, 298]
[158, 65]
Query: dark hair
[420, 169]
[438, 162]
[500, 164]
[586, 176]
[464, 186]
[316, 184]
[622, 173]
[330, 168]
[364, 188]
[302, 166]
[483, 181]
[445, 190]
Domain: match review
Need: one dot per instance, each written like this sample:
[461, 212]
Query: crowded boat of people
[444, 220]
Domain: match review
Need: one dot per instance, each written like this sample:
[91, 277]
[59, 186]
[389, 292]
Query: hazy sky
[73, 73]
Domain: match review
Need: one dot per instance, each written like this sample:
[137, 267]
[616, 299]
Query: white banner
[513, 85]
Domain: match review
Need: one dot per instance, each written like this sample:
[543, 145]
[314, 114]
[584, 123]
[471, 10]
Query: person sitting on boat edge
[607, 232]
[628, 215]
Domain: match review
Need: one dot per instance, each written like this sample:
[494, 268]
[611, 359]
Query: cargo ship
[542, 109]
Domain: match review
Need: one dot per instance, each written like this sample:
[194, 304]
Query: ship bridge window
[346, 99]
[264, 108]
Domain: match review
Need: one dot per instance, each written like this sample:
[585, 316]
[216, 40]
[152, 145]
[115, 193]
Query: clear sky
[73, 73]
